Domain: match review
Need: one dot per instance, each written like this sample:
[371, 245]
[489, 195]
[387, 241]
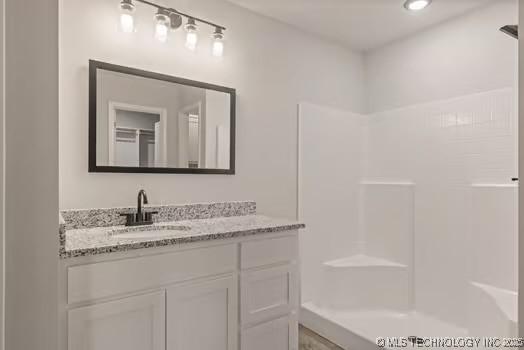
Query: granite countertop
[86, 241]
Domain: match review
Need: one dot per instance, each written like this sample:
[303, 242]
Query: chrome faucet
[141, 217]
[141, 200]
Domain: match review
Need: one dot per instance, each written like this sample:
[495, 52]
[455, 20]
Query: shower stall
[411, 218]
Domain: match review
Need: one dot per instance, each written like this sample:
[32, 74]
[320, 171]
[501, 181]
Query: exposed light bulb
[218, 48]
[416, 5]
[162, 25]
[191, 40]
[161, 32]
[127, 21]
[192, 35]
[218, 43]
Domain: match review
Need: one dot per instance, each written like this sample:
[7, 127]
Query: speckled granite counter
[91, 232]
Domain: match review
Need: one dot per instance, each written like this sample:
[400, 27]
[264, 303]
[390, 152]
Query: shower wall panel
[330, 148]
[445, 147]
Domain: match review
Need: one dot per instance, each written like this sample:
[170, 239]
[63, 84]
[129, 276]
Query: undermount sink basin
[157, 231]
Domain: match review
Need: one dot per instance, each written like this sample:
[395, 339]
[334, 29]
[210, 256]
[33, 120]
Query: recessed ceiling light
[416, 5]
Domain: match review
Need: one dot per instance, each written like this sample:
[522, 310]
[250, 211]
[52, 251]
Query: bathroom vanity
[208, 276]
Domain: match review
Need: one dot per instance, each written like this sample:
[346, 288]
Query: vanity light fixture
[127, 21]
[218, 43]
[416, 5]
[168, 18]
[192, 35]
[162, 25]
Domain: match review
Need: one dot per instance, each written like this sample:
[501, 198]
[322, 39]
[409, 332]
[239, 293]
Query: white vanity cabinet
[232, 294]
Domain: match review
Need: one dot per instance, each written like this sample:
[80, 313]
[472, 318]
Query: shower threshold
[361, 329]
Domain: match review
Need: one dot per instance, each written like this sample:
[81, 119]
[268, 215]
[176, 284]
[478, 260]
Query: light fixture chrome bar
[172, 10]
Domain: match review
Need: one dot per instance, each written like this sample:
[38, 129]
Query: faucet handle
[130, 218]
[149, 215]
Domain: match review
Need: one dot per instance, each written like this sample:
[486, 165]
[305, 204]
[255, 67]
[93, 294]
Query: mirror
[145, 122]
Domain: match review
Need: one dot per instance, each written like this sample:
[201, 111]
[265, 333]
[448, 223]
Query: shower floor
[360, 329]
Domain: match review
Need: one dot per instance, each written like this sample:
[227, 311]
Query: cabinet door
[279, 334]
[134, 323]
[203, 315]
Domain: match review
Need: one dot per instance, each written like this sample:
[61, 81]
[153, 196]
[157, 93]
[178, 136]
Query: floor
[309, 340]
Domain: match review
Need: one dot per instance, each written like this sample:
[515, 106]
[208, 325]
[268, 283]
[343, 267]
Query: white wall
[465, 55]
[2, 175]
[521, 171]
[31, 212]
[271, 65]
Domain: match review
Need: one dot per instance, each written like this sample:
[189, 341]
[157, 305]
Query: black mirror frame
[94, 168]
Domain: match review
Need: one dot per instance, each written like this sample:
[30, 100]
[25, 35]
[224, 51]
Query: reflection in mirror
[134, 138]
[189, 137]
[153, 123]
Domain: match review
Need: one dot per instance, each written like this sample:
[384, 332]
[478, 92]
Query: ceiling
[359, 24]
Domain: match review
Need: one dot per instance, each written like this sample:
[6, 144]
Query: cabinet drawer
[279, 334]
[268, 293]
[111, 278]
[269, 251]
